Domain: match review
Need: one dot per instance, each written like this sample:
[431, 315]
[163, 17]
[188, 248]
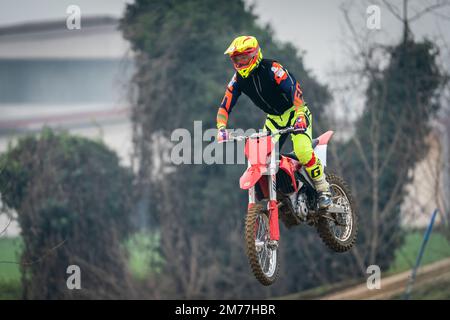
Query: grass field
[144, 257]
[10, 249]
[439, 290]
[435, 291]
[142, 248]
[10, 287]
[144, 260]
[438, 247]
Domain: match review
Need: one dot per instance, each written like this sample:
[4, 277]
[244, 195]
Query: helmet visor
[244, 59]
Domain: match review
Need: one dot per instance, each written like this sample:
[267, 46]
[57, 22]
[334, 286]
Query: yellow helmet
[245, 54]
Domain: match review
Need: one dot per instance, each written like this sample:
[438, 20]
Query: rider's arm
[288, 84]
[232, 93]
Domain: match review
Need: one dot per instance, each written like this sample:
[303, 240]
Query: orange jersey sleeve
[232, 93]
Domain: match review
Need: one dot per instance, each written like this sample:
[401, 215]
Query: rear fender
[321, 149]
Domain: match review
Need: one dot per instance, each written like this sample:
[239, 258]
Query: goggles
[245, 58]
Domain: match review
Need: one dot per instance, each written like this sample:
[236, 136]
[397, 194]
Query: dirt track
[396, 284]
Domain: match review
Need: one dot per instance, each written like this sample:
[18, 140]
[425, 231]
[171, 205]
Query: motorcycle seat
[315, 142]
[292, 155]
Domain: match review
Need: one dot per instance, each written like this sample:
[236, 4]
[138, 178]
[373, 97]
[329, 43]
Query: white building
[75, 79]
[430, 187]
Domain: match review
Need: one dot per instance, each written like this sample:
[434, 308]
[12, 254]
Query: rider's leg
[303, 150]
[274, 123]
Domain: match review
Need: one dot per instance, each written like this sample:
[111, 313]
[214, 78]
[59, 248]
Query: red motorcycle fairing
[274, 230]
[252, 175]
[289, 166]
[256, 151]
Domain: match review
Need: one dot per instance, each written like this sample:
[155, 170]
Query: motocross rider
[275, 91]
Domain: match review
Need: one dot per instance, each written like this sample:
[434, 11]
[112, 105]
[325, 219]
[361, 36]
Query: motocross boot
[324, 200]
[320, 182]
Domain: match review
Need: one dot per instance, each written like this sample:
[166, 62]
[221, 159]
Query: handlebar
[262, 134]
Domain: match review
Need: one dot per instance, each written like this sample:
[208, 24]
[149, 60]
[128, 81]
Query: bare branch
[392, 9]
[431, 8]
[441, 15]
[362, 154]
[349, 23]
[7, 226]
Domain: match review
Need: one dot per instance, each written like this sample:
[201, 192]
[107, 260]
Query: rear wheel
[339, 230]
[263, 259]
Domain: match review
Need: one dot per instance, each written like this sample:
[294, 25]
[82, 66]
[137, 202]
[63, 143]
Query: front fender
[251, 176]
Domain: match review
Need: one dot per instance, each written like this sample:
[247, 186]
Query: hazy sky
[16, 11]
[318, 27]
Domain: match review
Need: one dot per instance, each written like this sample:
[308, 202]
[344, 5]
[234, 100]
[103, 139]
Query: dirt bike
[280, 188]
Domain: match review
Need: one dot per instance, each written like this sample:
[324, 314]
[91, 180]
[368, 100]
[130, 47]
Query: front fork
[272, 205]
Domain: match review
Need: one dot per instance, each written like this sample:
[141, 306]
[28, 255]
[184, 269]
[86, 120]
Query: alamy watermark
[73, 21]
[74, 280]
[374, 278]
[200, 147]
[373, 21]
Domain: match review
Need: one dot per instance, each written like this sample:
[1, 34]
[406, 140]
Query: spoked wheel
[339, 230]
[263, 259]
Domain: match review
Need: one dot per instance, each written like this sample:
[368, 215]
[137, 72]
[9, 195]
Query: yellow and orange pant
[302, 142]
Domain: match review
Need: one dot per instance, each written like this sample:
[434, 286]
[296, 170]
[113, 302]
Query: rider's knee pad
[314, 168]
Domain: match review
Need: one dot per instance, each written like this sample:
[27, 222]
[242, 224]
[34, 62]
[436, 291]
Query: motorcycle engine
[299, 204]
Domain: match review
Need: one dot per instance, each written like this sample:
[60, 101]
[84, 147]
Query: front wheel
[263, 259]
[339, 230]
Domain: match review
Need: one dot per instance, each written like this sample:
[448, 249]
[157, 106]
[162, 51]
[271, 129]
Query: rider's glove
[300, 124]
[222, 135]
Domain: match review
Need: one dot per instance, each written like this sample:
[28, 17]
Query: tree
[181, 77]
[403, 83]
[390, 139]
[74, 203]
[402, 96]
